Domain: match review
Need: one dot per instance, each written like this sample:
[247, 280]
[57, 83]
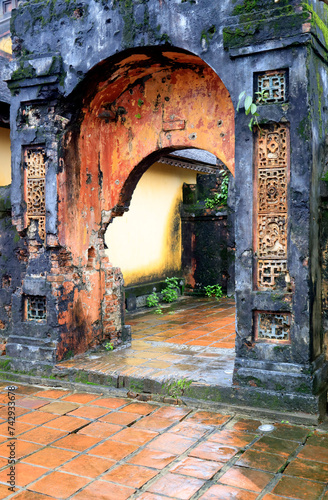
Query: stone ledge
[293, 417]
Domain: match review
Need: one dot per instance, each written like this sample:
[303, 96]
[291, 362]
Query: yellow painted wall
[146, 241]
[5, 160]
[5, 44]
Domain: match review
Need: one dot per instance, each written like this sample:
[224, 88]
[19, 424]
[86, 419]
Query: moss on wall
[260, 21]
[208, 34]
[319, 25]
[40, 13]
[148, 32]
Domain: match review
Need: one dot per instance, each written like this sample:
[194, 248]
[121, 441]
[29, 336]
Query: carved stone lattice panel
[36, 308]
[272, 190]
[272, 86]
[42, 224]
[35, 197]
[272, 147]
[35, 163]
[269, 271]
[35, 187]
[272, 236]
[272, 327]
[271, 209]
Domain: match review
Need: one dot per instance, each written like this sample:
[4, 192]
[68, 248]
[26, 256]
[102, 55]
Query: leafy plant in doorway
[170, 292]
[153, 300]
[221, 198]
[177, 388]
[213, 291]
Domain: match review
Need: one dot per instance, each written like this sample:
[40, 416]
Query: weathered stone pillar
[280, 358]
[34, 129]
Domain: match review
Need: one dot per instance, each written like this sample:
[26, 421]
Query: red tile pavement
[176, 485]
[200, 325]
[170, 452]
[59, 484]
[87, 466]
[219, 492]
[195, 467]
[102, 490]
[50, 457]
[130, 475]
[153, 458]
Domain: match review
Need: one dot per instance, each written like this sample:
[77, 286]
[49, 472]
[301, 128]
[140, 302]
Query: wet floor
[89, 446]
[193, 339]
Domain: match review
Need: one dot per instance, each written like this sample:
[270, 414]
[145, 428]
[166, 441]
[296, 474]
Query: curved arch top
[150, 101]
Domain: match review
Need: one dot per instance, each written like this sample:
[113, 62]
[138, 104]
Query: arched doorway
[162, 236]
[149, 103]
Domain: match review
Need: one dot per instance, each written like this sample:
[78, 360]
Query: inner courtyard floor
[193, 339]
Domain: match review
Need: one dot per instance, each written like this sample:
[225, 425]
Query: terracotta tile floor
[193, 339]
[159, 452]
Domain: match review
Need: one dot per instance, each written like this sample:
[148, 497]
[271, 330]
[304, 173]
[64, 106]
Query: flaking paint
[193, 93]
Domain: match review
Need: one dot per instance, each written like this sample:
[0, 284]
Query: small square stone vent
[36, 308]
[271, 87]
[272, 327]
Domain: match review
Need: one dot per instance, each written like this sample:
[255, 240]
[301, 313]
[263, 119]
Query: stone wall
[207, 236]
[104, 90]
[13, 258]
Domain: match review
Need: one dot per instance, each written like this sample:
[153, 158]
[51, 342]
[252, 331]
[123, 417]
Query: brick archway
[144, 105]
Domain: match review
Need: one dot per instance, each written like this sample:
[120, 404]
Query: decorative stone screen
[272, 87]
[272, 327]
[35, 308]
[35, 169]
[271, 212]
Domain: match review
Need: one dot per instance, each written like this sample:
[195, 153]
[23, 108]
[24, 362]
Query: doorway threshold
[192, 341]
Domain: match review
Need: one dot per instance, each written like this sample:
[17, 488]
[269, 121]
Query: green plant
[172, 282]
[177, 388]
[109, 346]
[152, 300]
[251, 107]
[213, 291]
[221, 198]
[136, 386]
[170, 293]
[68, 354]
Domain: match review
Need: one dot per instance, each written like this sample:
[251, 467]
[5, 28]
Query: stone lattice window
[35, 169]
[269, 271]
[272, 327]
[271, 214]
[36, 309]
[273, 87]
